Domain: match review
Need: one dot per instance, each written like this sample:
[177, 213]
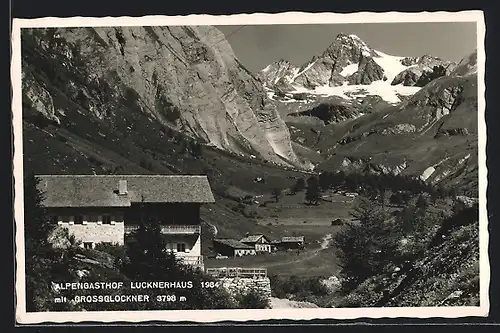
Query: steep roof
[102, 190]
[232, 243]
[292, 239]
[252, 238]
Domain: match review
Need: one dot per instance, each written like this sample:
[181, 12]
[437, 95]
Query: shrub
[252, 300]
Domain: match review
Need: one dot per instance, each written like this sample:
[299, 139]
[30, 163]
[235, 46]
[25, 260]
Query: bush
[252, 300]
[299, 288]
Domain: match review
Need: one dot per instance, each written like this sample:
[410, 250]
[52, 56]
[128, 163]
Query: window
[181, 247]
[88, 245]
[54, 219]
[65, 219]
[118, 218]
[106, 219]
[78, 219]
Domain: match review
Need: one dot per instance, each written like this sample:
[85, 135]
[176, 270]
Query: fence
[222, 272]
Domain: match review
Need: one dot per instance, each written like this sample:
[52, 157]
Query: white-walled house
[108, 208]
[232, 248]
[259, 242]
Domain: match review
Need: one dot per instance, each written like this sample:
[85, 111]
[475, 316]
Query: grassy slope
[420, 149]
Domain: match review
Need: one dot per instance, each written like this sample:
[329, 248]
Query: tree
[149, 260]
[147, 251]
[299, 185]
[422, 202]
[325, 180]
[365, 246]
[313, 190]
[277, 194]
[179, 138]
[252, 299]
[37, 225]
[195, 149]
[396, 198]
[43, 264]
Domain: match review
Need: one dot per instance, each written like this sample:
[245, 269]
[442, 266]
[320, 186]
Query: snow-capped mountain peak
[350, 68]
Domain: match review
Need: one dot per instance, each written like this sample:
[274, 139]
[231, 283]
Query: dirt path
[280, 303]
[309, 255]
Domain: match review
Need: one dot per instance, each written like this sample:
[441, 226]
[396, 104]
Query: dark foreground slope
[445, 272]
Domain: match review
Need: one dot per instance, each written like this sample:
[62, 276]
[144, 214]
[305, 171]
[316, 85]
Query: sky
[259, 45]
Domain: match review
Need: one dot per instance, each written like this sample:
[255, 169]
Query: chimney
[122, 187]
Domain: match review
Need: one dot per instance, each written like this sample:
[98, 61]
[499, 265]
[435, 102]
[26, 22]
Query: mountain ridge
[350, 68]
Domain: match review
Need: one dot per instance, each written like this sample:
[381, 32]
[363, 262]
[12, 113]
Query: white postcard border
[210, 316]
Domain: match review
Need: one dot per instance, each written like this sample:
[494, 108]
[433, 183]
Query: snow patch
[391, 65]
[302, 71]
[349, 70]
[464, 159]
[380, 88]
[268, 67]
[427, 173]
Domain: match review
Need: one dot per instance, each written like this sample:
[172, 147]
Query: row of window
[79, 219]
[181, 247]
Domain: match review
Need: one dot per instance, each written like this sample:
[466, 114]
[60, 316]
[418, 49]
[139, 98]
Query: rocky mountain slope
[432, 135]
[350, 68]
[186, 78]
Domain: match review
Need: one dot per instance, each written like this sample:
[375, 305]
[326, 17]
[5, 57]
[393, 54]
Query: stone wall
[238, 285]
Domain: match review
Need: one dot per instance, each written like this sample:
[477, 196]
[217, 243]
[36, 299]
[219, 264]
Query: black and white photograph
[292, 166]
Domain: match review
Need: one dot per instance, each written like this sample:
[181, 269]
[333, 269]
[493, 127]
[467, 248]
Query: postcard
[250, 167]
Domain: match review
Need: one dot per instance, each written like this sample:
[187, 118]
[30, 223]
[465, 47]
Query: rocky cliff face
[330, 112]
[423, 70]
[186, 78]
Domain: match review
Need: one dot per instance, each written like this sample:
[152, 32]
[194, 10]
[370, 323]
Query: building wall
[263, 247]
[93, 230]
[244, 252]
[192, 249]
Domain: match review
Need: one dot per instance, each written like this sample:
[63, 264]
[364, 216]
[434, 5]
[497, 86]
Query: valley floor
[291, 216]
